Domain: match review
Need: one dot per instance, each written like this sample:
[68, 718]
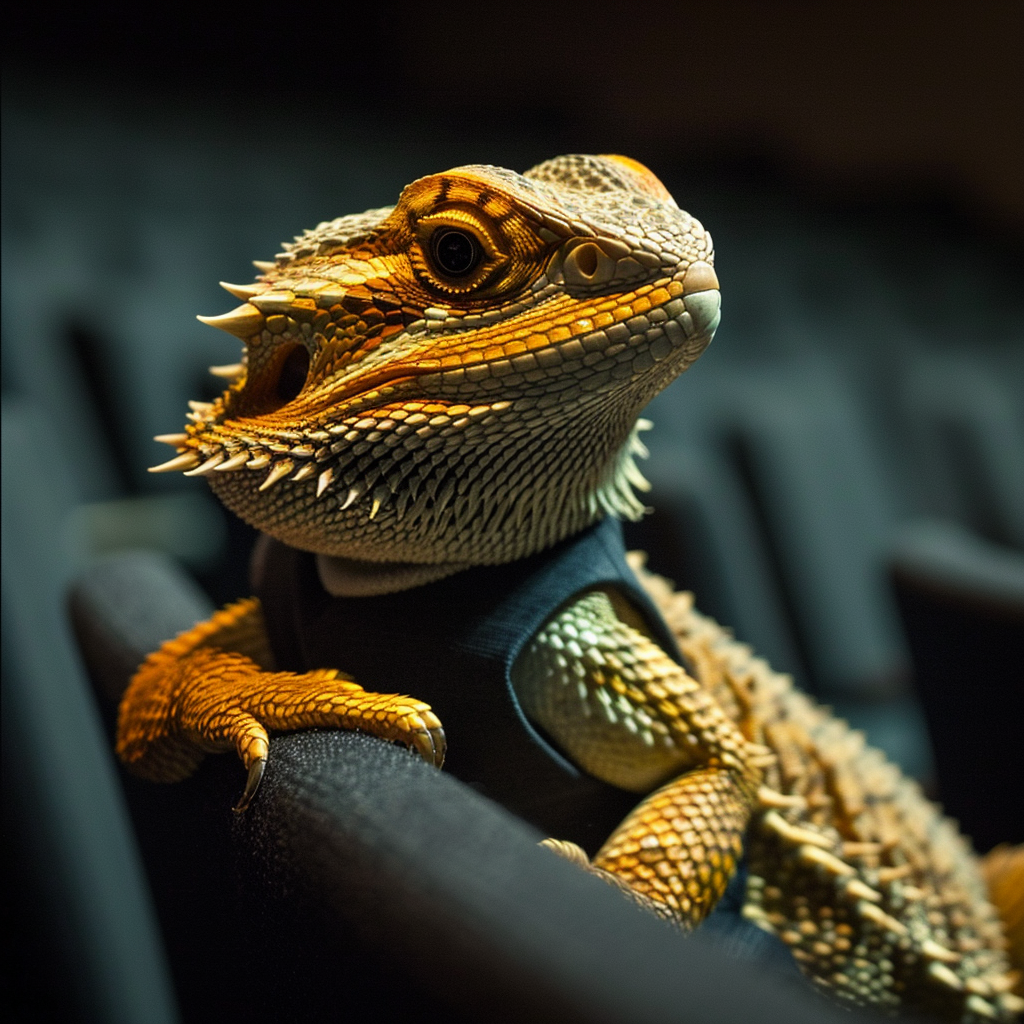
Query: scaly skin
[456, 381]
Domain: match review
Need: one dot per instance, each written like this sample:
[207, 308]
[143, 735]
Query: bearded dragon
[455, 382]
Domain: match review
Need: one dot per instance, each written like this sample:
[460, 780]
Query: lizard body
[455, 382]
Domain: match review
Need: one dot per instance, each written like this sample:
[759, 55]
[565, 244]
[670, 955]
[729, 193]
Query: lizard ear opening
[292, 377]
[275, 384]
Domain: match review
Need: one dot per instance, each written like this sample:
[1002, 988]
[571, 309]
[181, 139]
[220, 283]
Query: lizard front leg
[213, 689]
[621, 708]
[675, 853]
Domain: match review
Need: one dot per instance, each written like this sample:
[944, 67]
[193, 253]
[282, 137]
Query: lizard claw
[431, 745]
[251, 784]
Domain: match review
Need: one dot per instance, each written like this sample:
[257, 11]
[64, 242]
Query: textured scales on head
[457, 379]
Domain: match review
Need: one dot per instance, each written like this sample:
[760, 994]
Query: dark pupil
[456, 252]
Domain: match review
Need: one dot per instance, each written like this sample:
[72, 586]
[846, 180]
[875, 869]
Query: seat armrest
[363, 877]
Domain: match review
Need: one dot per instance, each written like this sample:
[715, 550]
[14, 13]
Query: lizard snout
[702, 298]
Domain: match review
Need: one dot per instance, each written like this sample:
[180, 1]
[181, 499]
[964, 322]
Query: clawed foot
[578, 856]
[178, 708]
[429, 742]
[307, 702]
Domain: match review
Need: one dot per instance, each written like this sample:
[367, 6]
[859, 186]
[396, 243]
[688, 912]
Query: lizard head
[457, 379]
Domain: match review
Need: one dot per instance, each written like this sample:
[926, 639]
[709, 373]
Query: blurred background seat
[867, 382]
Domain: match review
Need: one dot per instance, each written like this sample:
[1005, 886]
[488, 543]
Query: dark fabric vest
[452, 643]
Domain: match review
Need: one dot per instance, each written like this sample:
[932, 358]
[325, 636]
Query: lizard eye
[455, 252]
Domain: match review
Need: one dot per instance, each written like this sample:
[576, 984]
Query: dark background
[859, 166]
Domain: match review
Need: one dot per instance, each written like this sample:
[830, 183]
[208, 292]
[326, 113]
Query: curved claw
[251, 784]
[431, 745]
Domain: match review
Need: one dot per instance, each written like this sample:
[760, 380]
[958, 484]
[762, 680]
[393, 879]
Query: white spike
[934, 951]
[305, 471]
[980, 1007]
[353, 493]
[175, 440]
[184, 461]
[264, 266]
[229, 370]
[635, 477]
[237, 461]
[279, 470]
[768, 797]
[855, 887]
[244, 292]
[258, 461]
[879, 916]
[861, 849]
[794, 833]
[200, 407]
[887, 875]
[380, 495]
[273, 302]
[243, 322]
[208, 466]
[831, 863]
[324, 481]
[944, 976]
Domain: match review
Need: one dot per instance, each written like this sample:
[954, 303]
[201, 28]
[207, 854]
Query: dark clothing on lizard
[453, 643]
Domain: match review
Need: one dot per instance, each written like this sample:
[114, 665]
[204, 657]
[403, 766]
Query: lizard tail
[1003, 871]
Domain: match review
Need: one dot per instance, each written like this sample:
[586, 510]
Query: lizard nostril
[294, 371]
[586, 259]
[586, 264]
